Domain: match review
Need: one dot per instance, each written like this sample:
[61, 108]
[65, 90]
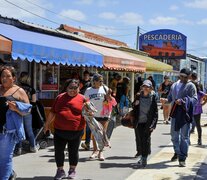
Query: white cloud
[131, 18]
[105, 3]
[73, 14]
[174, 8]
[103, 30]
[84, 2]
[107, 15]
[200, 4]
[10, 10]
[161, 20]
[202, 22]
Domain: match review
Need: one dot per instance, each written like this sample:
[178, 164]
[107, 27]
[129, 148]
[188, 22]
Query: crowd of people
[182, 103]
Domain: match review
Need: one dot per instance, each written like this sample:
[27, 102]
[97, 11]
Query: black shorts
[102, 118]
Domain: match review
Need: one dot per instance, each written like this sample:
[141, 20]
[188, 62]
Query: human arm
[49, 120]
[154, 114]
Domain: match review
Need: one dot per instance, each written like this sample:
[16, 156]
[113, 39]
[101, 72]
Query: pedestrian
[114, 82]
[14, 104]
[96, 94]
[24, 82]
[164, 90]
[68, 127]
[138, 84]
[202, 100]
[153, 82]
[183, 96]
[146, 114]
[86, 82]
[109, 104]
[194, 80]
[122, 96]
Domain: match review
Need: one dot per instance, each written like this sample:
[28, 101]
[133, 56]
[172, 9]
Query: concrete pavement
[119, 162]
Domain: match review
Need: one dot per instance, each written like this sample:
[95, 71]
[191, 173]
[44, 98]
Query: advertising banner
[164, 43]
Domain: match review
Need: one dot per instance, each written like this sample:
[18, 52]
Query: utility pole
[137, 42]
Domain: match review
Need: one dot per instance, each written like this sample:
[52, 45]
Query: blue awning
[41, 47]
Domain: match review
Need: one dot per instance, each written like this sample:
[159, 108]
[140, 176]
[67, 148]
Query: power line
[119, 35]
[32, 12]
[54, 21]
[75, 20]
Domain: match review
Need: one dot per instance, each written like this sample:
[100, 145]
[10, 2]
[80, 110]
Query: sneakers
[100, 156]
[13, 176]
[182, 164]
[18, 151]
[60, 174]
[199, 142]
[33, 149]
[94, 155]
[142, 161]
[175, 157]
[85, 146]
[71, 174]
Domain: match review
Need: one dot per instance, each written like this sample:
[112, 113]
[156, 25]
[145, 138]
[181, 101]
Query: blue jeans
[27, 120]
[180, 140]
[7, 144]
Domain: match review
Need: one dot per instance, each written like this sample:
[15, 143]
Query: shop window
[47, 82]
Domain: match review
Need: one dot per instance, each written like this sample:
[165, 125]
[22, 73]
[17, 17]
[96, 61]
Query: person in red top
[69, 125]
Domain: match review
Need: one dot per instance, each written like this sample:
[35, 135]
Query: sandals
[94, 155]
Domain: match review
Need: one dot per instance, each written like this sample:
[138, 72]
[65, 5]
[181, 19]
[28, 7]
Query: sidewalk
[119, 159]
[161, 168]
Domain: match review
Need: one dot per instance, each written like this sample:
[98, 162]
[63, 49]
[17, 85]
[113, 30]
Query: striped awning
[117, 60]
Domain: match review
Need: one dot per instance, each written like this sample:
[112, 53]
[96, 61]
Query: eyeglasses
[73, 88]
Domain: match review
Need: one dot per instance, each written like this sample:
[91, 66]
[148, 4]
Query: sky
[118, 19]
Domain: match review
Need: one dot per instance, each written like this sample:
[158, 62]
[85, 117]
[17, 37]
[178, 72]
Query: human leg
[7, 144]
[29, 131]
[197, 119]
[175, 139]
[184, 141]
[86, 144]
[73, 146]
[137, 140]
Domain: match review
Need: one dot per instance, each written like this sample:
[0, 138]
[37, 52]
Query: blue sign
[164, 43]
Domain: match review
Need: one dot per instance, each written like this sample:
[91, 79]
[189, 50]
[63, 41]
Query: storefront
[42, 56]
[154, 68]
[119, 61]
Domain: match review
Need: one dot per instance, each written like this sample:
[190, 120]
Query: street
[119, 162]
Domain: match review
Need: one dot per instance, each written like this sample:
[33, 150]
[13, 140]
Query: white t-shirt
[96, 96]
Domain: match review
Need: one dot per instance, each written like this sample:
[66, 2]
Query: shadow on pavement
[163, 146]
[119, 157]
[37, 178]
[160, 165]
[115, 165]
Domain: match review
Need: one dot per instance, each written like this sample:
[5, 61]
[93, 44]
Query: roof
[91, 35]
[151, 64]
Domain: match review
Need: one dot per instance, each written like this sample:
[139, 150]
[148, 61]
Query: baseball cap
[147, 83]
[166, 77]
[185, 72]
[97, 77]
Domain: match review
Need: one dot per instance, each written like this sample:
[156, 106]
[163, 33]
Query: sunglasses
[73, 88]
